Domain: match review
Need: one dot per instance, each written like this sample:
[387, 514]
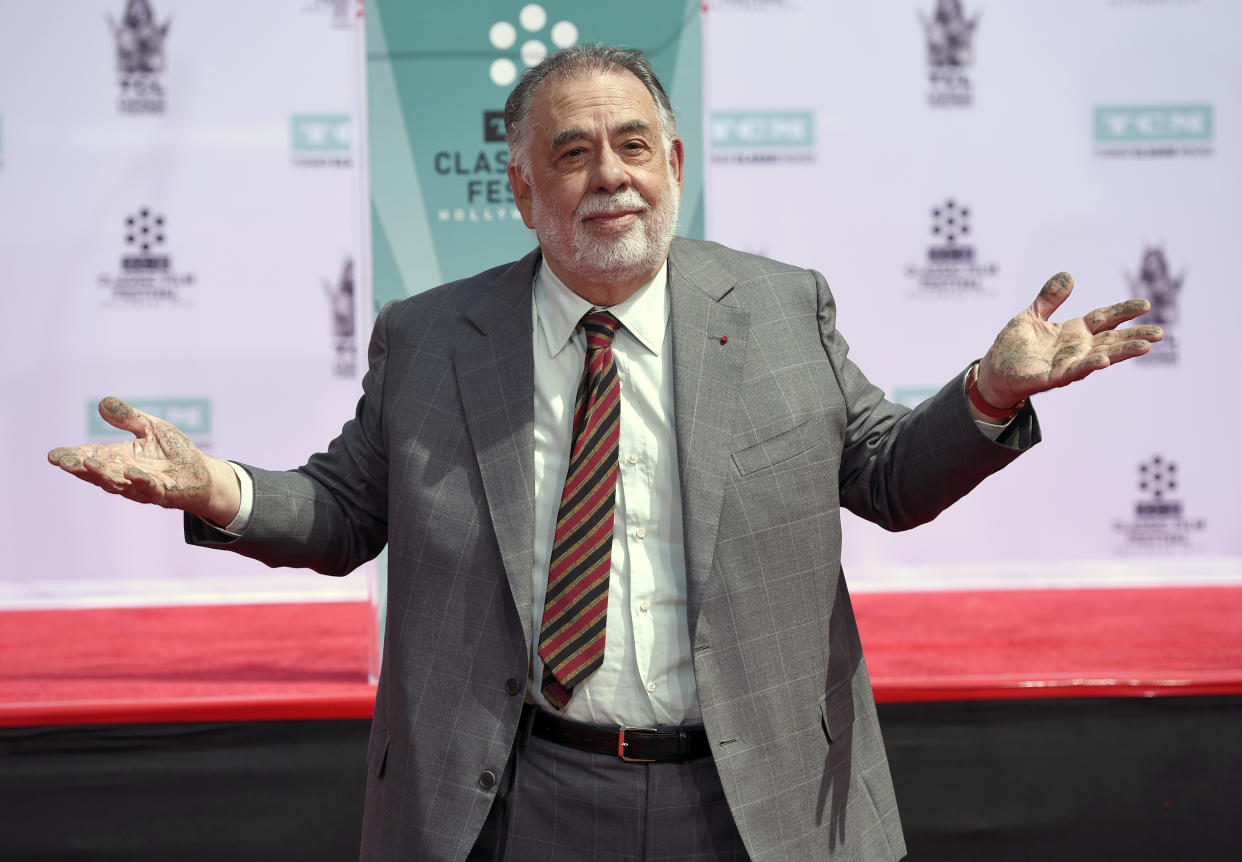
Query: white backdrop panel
[253, 217]
[1042, 192]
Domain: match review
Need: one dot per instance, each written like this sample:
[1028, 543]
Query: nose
[611, 175]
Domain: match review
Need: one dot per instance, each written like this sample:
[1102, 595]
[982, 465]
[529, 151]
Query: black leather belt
[635, 744]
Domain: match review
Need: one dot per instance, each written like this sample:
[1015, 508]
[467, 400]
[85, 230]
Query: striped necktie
[571, 639]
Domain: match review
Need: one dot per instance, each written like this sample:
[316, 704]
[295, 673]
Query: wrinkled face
[601, 186]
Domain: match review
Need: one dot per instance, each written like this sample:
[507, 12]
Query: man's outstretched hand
[1032, 354]
[160, 465]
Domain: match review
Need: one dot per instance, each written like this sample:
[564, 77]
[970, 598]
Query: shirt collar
[644, 314]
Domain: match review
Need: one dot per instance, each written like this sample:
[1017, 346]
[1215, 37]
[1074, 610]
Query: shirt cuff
[988, 429]
[246, 484]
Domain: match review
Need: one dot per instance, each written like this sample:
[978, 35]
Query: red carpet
[196, 663]
[1053, 643]
[257, 662]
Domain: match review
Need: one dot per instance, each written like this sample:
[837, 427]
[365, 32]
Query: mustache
[603, 202]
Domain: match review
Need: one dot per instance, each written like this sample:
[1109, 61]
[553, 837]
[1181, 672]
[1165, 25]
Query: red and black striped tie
[571, 639]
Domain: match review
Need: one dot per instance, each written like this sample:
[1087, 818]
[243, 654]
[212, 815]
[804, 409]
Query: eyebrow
[569, 135]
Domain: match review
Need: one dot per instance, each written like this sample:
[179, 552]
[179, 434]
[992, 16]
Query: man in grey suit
[730, 714]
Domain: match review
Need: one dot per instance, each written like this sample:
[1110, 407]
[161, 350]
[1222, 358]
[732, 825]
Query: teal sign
[437, 79]
[191, 415]
[762, 130]
[320, 133]
[1152, 123]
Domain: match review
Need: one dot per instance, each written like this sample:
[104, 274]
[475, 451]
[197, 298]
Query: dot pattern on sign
[533, 20]
[950, 222]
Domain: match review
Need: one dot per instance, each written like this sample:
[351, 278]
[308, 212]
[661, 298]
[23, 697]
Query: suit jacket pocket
[836, 709]
[780, 447]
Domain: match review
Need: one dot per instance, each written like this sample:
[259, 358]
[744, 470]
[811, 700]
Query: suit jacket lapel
[710, 334]
[495, 374]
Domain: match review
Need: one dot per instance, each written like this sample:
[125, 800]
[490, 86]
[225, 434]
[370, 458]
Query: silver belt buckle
[622, 744]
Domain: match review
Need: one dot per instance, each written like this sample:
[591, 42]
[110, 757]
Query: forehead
[591, 101]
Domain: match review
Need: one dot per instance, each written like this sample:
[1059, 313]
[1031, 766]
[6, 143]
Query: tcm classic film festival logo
[1159, 519]
[952, 267]
[486, 195]
[1154, 281]
[139, 39]
[145, 276]
[950, 35]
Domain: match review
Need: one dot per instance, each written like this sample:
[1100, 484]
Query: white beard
[639, 250]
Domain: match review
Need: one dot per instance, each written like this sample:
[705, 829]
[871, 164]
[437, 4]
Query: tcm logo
[191, 415]
[1151, 123]
[321, 133]
[494, 127]
[761, 130]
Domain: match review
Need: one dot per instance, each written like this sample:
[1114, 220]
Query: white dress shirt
[648, 676]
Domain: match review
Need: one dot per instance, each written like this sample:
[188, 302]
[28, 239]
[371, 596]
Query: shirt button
[487, 780]
[512, 686]
[641, 532]
[651, 686]
[644, 606]
[633, 459]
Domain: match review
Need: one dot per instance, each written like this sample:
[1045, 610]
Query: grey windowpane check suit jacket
[776, 430]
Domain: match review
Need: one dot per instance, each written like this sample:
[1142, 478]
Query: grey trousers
[558, 804]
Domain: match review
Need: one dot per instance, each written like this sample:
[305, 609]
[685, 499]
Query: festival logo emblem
[533, 19]
[140, 58]
[950, 54]
[343, 310]
[951, 268]
[145, 276]
[486, 194]
[1155, 283]
[1159, 517]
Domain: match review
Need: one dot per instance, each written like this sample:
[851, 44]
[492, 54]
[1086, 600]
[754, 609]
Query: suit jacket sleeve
[331, 514]
[901, 468]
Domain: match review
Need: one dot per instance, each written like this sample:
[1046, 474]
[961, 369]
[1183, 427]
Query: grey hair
[589, 58]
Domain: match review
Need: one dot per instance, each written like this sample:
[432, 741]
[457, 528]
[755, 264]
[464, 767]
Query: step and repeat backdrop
[202, 205]
[938, 161]
[182, 224]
